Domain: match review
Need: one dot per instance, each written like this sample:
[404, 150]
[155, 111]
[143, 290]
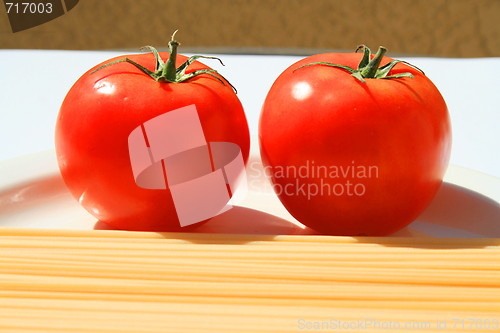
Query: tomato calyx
[166, 71]
[369, 68]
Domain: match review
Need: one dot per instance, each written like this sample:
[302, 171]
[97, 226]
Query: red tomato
[348, 157]
[101, 110]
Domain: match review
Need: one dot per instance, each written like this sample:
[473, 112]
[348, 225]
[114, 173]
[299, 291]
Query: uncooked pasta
[116, 281]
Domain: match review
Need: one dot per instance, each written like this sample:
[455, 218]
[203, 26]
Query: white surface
[34, 83]
[32, 195]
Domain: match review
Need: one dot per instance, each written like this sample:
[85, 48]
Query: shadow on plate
[238, 220]
[457, 212]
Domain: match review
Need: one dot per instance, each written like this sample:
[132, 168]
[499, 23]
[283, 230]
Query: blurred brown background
[448, 28]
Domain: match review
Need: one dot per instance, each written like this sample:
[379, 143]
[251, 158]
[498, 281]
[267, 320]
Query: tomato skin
[322, 116]
[97, 116]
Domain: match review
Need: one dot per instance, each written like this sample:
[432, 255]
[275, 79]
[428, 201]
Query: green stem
[169, 71]
[370, 71]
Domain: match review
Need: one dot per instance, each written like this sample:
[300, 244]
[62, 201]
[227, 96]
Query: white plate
[33, 195]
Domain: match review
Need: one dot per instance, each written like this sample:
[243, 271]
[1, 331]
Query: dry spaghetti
[112, 281]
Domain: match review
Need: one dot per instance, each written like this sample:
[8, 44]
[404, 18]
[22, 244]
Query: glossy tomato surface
[354, 158]
[99, 113]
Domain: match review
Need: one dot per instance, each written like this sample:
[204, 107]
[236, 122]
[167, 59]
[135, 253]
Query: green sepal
[167, 72]
[369, 68]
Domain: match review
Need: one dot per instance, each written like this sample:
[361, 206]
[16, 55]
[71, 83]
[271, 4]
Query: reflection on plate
[33, 195]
